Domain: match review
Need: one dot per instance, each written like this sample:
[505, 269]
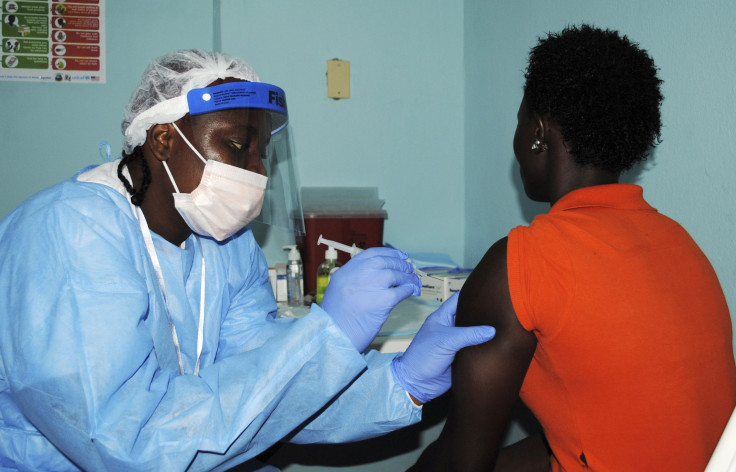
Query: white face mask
[225, 201]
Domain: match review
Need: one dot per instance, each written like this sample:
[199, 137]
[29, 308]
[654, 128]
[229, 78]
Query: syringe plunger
[352, 250]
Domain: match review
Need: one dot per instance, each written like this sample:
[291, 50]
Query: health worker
[137, 321]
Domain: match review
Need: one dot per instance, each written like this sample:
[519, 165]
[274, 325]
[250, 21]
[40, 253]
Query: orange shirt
[634, 367]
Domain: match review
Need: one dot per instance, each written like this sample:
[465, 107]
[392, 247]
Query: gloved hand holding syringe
[353, 250]
[422, 370]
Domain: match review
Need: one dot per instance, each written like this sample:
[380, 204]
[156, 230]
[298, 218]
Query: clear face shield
[245, 124]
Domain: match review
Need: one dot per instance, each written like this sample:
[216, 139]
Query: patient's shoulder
[485, 298]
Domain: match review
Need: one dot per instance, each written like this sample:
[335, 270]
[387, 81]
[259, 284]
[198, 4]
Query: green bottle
[325, 271]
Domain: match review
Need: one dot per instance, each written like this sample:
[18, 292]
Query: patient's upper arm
[486, 379]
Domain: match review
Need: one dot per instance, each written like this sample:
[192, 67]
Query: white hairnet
[161, 95]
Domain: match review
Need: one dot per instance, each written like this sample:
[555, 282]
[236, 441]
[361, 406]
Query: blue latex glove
[424, 370]
[362, 293]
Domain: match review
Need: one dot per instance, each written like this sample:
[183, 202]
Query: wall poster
[53, 41]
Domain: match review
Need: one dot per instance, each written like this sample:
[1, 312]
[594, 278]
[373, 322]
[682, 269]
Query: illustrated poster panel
[53, 40]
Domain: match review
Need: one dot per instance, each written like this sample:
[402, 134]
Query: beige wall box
[338, 79]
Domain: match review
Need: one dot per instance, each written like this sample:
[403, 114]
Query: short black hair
[603, 92]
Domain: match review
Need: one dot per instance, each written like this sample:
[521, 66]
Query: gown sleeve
[372, 405]
[83, 364]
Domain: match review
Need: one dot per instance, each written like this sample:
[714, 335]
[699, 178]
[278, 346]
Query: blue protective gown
[89, 376]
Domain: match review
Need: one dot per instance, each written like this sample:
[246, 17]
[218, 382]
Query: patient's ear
[540, 127]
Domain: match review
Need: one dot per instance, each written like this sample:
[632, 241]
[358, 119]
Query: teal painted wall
[402, 128]
[49, 131]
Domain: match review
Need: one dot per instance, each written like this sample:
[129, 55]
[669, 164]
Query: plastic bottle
[294, 277]
[325, 271]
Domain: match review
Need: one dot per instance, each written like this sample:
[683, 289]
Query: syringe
[352, 250]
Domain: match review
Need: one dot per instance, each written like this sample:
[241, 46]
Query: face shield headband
[282, 204]
[241, 95]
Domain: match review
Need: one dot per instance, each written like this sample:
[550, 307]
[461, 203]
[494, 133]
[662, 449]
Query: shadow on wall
[633, 176]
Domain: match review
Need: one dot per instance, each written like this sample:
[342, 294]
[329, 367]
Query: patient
[611, 323]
